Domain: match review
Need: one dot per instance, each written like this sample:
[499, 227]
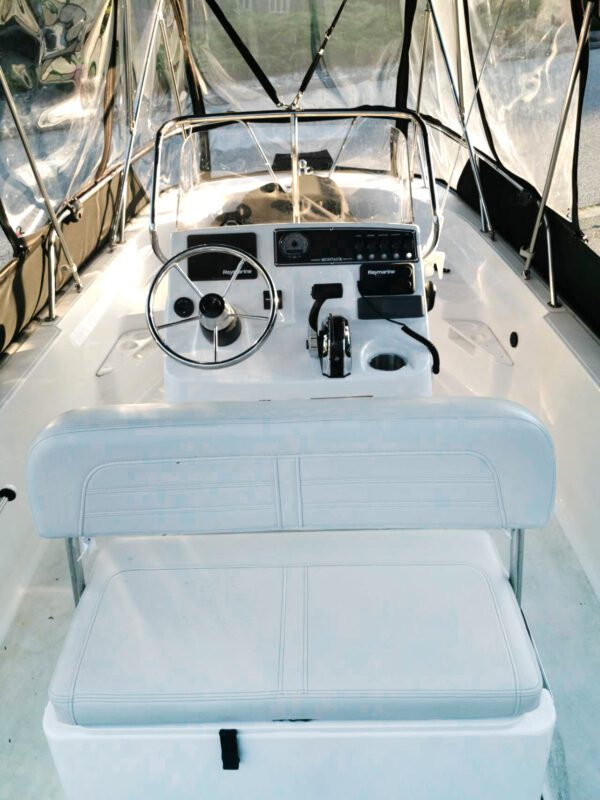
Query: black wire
[435, 356]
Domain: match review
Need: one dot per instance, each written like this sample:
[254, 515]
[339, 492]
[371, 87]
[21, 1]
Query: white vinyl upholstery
[313, 465]
[384, 625]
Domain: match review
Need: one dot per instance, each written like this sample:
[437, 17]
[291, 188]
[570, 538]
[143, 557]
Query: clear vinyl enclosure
[94, 80]
[277, 171]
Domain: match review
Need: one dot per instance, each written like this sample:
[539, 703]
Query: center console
[351, 320]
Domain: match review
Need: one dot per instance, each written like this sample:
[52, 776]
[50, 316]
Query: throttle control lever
[332, 343]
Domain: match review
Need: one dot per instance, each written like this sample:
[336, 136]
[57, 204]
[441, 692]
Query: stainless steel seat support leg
[517, 552]
[75, 568]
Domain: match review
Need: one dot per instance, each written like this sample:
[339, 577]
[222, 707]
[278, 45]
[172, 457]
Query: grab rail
[7, 495]
[186, 125]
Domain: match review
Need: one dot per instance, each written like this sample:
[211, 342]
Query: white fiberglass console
[354, 278]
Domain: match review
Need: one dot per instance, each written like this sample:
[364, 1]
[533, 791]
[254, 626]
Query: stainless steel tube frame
[120, 210]
[185, 125]
[517, 552]
[421, 79]
[553, 302]
[53, 266]
[7, 495]
[529, 252]
[74, 553]
[128, 71]
[38, 178]
[486, 224]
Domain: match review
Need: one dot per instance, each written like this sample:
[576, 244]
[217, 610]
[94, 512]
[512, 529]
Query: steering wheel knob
[212, 306]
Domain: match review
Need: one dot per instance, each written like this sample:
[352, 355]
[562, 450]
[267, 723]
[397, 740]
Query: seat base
[426, 760]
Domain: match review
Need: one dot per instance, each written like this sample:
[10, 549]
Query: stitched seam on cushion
[391, 482]
[515, 692]
[178, 509]
[305, 629]
[277, 487]
[136, 462]
[98, 468]
[517, 699]
[282, 629]
[97, 609]
[86, 641]
[462, 694]
[440, 453]
[186, 487]
[491, 693]
[299, 498]
[402, 504]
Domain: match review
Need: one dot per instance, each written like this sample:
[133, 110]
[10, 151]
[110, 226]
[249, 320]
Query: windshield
[241, 172]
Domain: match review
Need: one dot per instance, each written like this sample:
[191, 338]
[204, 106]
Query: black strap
[244, 52]
[230, 754]
[410, 7]
[435, 356]
[319, 54]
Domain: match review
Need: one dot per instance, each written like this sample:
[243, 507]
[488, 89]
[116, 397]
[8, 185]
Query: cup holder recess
[387, 362]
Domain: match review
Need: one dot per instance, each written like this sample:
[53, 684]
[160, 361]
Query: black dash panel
[220, 266]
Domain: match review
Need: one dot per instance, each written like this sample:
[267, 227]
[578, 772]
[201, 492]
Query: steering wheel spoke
[216, 344]
[236, 272]
[177, 322]
[217, 321]
[190, 283]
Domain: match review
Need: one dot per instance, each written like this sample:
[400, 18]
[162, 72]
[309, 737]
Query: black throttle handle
[321, 292]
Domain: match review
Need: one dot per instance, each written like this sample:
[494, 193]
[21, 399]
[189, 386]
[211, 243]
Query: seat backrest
[331, 464]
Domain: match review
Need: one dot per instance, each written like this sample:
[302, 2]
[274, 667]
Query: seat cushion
[328, 626]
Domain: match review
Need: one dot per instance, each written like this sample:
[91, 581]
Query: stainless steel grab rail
[57, 229]
[7, 495]
[184, 126]
[553, 302]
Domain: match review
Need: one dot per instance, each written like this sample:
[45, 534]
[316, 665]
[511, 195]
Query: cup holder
[387, 362]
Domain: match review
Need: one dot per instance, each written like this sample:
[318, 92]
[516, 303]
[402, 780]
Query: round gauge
[294, 245]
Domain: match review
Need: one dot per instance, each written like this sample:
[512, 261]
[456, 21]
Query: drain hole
[388, 362]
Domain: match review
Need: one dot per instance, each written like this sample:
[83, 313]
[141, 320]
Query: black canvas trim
[320, 50]
[402, 81]
[245, 53]
[577, 12]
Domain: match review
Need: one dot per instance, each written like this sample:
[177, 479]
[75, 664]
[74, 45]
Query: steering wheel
[211, 312]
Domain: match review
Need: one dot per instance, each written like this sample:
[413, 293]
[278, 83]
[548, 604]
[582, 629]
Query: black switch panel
[386, 279]
[306, 246]
[267, 300]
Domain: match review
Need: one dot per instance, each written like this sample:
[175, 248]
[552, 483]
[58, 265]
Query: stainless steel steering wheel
[211, 312]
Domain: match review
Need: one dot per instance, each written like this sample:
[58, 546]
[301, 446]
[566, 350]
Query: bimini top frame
[188, 125]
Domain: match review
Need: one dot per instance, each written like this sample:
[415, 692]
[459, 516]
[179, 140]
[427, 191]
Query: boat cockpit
[294, 506]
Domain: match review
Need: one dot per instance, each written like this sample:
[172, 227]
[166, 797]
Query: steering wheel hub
[212, 306]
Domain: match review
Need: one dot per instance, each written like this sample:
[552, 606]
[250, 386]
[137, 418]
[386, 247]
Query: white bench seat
[394, 625]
